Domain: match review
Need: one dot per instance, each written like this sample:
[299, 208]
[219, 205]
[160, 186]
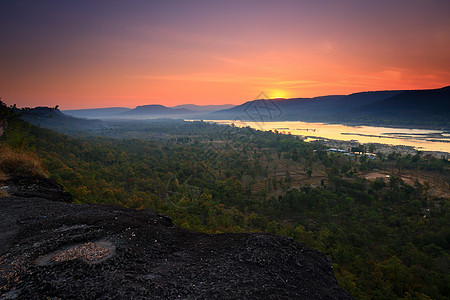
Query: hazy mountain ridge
[154, 110]
[284, 105]
[53, 118]
[204, 108]
[419, 108]
[149, 111]
[95, 112]
[308, 108]
[413, 108]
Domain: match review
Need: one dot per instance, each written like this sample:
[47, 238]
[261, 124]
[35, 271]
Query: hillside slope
[418, 108]
[301, 109]
[55, 120]
[430, 107]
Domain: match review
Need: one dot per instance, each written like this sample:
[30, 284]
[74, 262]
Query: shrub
[19, 163]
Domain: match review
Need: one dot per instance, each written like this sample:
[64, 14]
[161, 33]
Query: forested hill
[54, 119]
[427, 107]
[415, 108]
[154, 111]
[407, 108]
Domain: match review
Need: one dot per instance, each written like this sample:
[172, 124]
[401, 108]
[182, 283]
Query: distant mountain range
[411, 108]
[147, 111]
[298, 109]
[424, 107]
[96, 112]
[204, 108]
[56, 120]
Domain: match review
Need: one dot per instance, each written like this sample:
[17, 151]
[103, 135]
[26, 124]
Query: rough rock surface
[38, 187]
[57, 250]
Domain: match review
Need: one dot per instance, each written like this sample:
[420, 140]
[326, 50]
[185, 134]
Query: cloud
[205, 77]
[295, 83]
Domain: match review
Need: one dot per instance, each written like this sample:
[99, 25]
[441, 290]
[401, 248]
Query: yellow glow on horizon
[274, 94]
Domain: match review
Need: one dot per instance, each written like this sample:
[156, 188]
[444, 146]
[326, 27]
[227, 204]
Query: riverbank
[376, 124]
[385, 149]
[405, 140]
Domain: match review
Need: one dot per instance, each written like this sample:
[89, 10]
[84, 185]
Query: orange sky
[86, 54]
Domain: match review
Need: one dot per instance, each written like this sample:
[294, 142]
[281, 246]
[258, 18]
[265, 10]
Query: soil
[58, 250]
[439, 188]
[382, 148]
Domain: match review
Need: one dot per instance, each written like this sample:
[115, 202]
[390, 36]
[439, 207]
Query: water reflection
[420, 139]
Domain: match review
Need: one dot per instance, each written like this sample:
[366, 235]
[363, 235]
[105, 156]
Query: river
[419, 139]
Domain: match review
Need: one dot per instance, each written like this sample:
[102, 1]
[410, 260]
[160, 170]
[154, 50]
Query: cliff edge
[58, 250]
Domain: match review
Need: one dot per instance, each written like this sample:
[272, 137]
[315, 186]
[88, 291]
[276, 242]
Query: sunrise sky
[86, 54]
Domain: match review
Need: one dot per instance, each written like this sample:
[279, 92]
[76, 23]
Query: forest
[388, 235]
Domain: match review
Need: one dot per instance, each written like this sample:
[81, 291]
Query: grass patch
[4, 193]
[19, 163]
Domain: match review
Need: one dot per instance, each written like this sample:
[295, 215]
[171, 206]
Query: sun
[275, 94]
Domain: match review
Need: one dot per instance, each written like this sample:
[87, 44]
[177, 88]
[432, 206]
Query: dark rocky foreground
[57, 250]
[36, 187]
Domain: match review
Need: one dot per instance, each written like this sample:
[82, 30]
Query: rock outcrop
[58, 250]
[36, 187]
